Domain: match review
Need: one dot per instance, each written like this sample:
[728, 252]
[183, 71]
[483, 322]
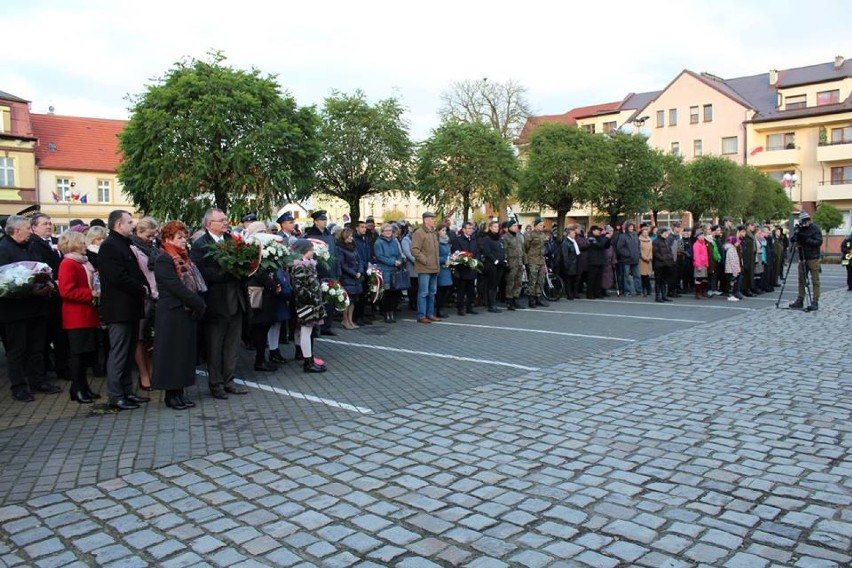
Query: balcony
[834, 190]
[784, 157]
[836, 152]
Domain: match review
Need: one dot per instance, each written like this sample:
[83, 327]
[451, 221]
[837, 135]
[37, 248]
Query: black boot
[659, 295]
[185, 399]
[665, 293]
[531, 302]
[541, 302]
[310, 366]
[275, 356]
[460, 310]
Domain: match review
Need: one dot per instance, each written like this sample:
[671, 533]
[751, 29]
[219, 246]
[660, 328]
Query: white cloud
[84, 56]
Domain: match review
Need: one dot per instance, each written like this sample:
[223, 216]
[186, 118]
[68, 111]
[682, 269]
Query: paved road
[598, 433]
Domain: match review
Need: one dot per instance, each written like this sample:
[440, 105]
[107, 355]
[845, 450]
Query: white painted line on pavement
[673, 304]
[565, 333]
[538, 310]
[308, 397]
[428, 354]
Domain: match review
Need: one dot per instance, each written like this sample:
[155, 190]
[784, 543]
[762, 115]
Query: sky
[85, 57]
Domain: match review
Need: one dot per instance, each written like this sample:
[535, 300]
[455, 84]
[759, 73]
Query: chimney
[838, 62]
[773, 77]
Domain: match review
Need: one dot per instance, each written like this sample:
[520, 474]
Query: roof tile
[77, 143]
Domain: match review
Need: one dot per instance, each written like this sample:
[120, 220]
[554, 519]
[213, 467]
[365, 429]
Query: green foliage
[464, 165]
[392, 215]
[668, 194]
[763, 199]
[638, 169]
[366, 148]
[210, 135]
[714, 185]
[828, 217]
[565, 166]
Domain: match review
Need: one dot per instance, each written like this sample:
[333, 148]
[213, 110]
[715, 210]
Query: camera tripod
[803, 273]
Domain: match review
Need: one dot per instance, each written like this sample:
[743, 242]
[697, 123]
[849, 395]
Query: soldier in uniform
[515, 259]
[534, 249]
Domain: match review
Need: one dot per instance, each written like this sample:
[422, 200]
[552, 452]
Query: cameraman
[807, 238]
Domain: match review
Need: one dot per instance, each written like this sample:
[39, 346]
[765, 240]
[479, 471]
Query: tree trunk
[696, 215]
[466, 205]
[654, 213]
[354, 209]
[613, 219]
[560, 223]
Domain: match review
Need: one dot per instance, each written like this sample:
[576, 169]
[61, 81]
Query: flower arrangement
[465, 259]
[272, 251]
[334, 293]
[321, 252]
[375, 283]
[23, 279]
[243, 256]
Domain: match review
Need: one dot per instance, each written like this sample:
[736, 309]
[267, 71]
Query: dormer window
[828, 97]
[797, 101]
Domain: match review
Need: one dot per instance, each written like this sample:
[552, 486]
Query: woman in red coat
[79, 316]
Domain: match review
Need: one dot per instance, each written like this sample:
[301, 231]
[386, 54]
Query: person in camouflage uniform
[515, 259]
[534, 249]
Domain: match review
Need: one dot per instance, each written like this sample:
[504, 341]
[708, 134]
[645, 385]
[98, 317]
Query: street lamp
[638, 127]
[790, 181]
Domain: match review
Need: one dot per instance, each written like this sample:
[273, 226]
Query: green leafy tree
[366, 148]
[210, 135]
[763, 198]
[667, 193]
[463, 165]
[827, 217]
[565, 166]
[713, 186]
[637, 171]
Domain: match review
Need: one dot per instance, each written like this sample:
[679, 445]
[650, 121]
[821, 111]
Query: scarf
[87, 266]
[186, 270]
[576, 246]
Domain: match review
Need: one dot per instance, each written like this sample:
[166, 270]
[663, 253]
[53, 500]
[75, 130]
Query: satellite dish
[50, 109]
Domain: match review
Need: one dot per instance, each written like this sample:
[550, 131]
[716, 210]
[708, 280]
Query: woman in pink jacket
[700, 262]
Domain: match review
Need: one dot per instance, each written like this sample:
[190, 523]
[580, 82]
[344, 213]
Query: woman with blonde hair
[80, 318]
[146, 251]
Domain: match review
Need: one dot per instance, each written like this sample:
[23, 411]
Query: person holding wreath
[309, 302]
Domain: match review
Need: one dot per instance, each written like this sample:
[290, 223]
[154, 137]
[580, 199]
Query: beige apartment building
[17, 156]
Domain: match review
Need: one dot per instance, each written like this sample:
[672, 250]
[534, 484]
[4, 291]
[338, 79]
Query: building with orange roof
[17, 156]
[77, 160]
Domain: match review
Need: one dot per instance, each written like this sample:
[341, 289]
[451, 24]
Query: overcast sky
[83, 57]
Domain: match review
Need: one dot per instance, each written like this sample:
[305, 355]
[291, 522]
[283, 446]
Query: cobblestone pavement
[661, 452]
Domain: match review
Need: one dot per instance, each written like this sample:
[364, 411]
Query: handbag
[401, 279]
[255, 294]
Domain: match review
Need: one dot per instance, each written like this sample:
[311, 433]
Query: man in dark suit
[123, 292]
[226, 303]
[44, 247]
[24, 319]
[320, 231]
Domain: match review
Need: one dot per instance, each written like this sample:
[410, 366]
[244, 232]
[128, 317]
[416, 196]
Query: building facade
[17, 156]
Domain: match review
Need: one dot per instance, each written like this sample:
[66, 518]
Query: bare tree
[502, 106]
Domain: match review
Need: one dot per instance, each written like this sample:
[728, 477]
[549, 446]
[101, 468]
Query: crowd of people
[127, 293]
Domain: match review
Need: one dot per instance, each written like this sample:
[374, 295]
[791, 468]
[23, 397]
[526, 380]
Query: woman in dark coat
[179, 309]
[350, 279]
[445, 276]
[664, 262]
[568, 264]
[262, 317]
[494, 260]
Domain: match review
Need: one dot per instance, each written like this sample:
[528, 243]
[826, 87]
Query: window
[5, 119]
[63, 189]
[840, 175]
[103, 190]
[828, 97]
[609, 127]
[7, 172]
[672, 117]
[693, 115]
[676, 148]
[797, 101]
[661, 118]
[841, 135]
[729, 145]
[590, 128]
[778, 175]
[708, 113]
[697, 148]
[785, 141]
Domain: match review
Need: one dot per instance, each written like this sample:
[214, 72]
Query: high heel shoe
[81, 397]
[143, 387]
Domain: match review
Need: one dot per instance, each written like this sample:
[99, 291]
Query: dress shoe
[424, 320]
[185, 400]
[275, 356]
[175, 403]
[47, 388]
[471, 311]
[310, 366]
[92, 395]
[81, 396]
[23, 395]
[495, 310]
[136, 398]
[233, 388]
[218, 391]
[123, 404]
[265, 367]
[434, 318]
[328, 332]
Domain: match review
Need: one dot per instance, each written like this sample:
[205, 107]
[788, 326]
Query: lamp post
[790, 181]
[637, 127]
